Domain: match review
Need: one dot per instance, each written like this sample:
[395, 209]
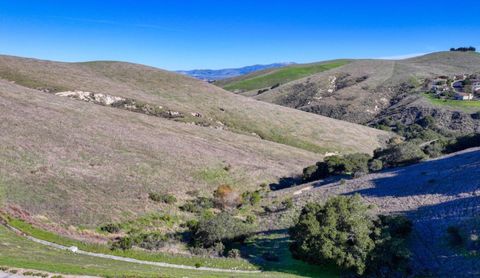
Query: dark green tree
[337, 232]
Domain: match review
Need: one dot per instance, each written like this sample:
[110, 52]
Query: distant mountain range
[211, 75]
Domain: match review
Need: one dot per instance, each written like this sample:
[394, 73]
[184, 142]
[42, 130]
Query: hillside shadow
[439, 250]
[286, 182]
[450, 176]
[270, 251]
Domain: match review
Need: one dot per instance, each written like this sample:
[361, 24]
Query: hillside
[209, 74]
[211, 106]
[81, 163]
[266, 79]
[365, 91]
[435, 195]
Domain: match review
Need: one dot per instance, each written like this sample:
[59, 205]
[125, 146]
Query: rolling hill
[265, 79]
[77, 162]
[209, 74]
[365, 91]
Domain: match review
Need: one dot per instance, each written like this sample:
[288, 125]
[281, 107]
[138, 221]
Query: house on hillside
[463, 96]
[476, 86]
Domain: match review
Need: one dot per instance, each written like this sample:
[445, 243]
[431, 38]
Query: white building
[463, 96]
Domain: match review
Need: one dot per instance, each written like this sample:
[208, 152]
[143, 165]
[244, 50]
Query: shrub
[427, 122]
[164, 198]
[234, 253]
[337, 232]
[251, 198]
[403, 154]
[197, 205]
[123, 243]
[435, 149]
[375, 165]
[315, 172]
[337, 165]
[288, 203]
[110, 228]
[218, 248]
[223, 227]
[151, 241]
[391, 257]
[226, 197]
[250, 219]
[465, 142]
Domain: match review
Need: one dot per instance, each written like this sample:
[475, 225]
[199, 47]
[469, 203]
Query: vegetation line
[118, 258]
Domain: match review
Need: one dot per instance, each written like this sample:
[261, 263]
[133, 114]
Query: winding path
[125, 259]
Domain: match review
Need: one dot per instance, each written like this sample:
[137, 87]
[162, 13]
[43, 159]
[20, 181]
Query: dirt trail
[125, 259]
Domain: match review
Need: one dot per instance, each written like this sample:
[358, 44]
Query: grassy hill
[364, 90]
[80, 163]
[270, 77]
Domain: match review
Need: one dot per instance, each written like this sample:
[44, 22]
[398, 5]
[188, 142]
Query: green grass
[136, 254]
[256, 246]
[466, 106]
[18, 252]
[277, 243]
[282, 76]
[215, 175]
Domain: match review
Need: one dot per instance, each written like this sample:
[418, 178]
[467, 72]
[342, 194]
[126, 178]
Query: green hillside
[269, 78]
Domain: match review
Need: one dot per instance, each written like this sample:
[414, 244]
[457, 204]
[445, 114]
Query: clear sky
[218, 34]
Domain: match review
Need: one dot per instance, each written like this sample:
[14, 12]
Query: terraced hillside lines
[435, 194]
[81, 163]
[193, 97]
[269, 78]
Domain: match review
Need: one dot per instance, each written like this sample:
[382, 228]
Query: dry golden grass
[84, 164]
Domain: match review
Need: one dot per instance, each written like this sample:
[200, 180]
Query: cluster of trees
[344, 232]
[351, 164]
[464, 49]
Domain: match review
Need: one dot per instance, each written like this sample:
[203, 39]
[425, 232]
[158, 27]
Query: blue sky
[218, 34]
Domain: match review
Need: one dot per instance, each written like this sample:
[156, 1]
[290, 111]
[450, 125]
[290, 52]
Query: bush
[288, 203]
[226, 197]
[398, 155]
[250, 219]
[151, 241]
[375, 165]
[110, 228]
[123, 243]
[315, 172]
[251, 198]
[223, 227]
[465, 142]
[234, 253]
[434, 149]
[337, 232]
[164, 198]
[197, 205]
[337, 165]
[391, 257]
